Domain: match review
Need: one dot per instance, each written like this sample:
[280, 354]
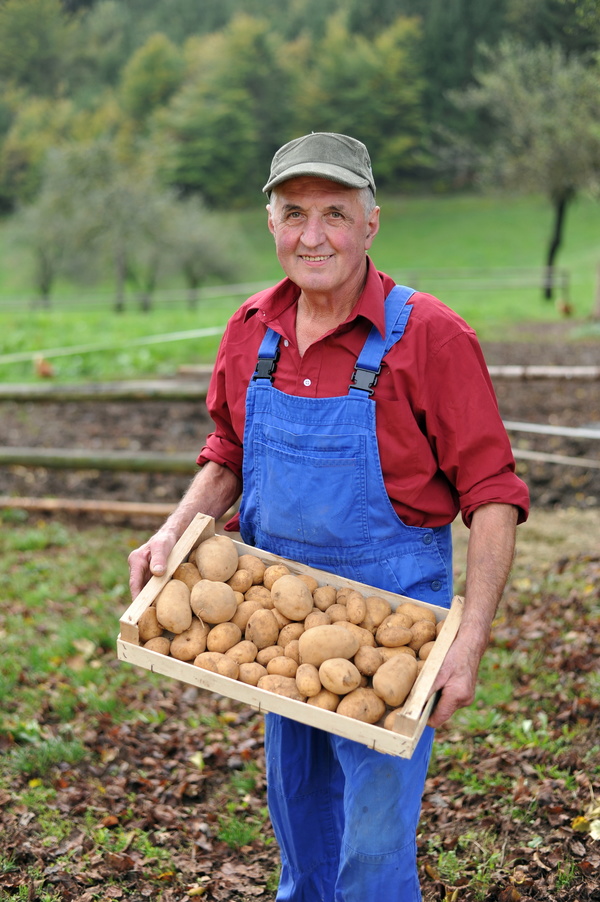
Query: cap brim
[319, 170]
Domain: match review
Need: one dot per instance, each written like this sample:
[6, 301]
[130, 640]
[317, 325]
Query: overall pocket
[311, 488]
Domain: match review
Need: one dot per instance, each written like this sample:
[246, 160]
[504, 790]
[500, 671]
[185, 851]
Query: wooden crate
[410, 721]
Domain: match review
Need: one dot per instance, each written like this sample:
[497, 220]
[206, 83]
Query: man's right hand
[150, 559]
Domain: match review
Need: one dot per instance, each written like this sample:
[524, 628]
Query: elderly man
[357, 419]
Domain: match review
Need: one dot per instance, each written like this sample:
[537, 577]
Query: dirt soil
[180, 427]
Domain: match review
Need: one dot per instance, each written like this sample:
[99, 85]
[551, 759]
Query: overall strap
[268, 355]
[368, 365]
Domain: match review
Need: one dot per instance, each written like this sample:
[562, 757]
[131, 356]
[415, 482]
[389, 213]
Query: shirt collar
[274, 303]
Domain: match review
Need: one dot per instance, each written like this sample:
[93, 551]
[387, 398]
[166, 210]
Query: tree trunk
[120, 275]
[560, 209]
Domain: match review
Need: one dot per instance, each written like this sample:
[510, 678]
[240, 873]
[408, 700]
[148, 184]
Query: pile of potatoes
[333, 648]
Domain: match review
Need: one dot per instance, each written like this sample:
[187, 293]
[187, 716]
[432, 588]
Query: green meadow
[482, 255]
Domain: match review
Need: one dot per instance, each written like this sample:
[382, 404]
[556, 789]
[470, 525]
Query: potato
[365, 637]
[283, 666]
[362, 704]
[173, 610]
[316, 618]
[292, 597]
[254, 566]
[223, 636]
[243, 652]
[292, 630]
[262, 629]
[322, 642]
[368, 660]
[309, 580]
[426, 649]
[356, 607]
[188, 573]
[281, 685]
[244, 611]
[148, 625]
[274, 572]
[264, 655]
[393, 632]
[339, 675]
[189, 644]
[390, 719]
[217, 663]
[377, 610]
[416, 611]
[324, 596]
[307, 680]
[394, 679]
[324, 699]
[240, 581]
[261, 593]
[216, 558]
[337, 612]
[422, 631]
[281, 620]
[251, 673]
[342, 594]
[159, 643]
[213, 601]
[388, 653]
[292, 650]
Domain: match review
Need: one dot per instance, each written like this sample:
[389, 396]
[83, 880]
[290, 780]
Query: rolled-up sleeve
[224, 445]
[464, 423]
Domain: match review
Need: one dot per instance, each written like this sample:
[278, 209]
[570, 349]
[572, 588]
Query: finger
[138, 570]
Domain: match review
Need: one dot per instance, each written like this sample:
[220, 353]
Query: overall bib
[345, 816]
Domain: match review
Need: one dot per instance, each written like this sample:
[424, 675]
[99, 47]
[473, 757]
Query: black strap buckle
[266, 366]
[365, 380]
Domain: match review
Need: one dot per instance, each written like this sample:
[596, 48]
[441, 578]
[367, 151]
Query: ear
[372, 227]
[270, 223]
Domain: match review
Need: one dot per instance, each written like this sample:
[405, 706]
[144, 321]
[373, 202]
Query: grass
[418, 236]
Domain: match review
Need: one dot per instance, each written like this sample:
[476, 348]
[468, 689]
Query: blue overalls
[345, 816]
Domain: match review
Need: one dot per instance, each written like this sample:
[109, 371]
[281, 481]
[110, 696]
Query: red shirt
[442, 444]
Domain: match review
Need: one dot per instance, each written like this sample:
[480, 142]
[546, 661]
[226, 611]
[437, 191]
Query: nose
[313, 233]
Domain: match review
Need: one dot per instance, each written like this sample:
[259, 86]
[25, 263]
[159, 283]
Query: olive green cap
[326, 155]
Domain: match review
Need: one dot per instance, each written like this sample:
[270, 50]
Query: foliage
[35, 38]
[545, 108]
[151, 76]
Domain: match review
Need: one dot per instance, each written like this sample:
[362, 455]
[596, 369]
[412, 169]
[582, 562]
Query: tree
[151, 76]
[370, 89]
[219, 132]
[199, 246]
[38, 124]
[35, 37]
[545, 107]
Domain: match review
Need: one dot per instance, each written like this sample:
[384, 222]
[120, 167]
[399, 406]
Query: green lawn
[419, 237]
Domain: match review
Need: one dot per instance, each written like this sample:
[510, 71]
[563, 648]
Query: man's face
[322, 232]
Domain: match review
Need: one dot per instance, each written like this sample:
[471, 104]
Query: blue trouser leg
[345, 816]
[382, 805]
[305, 793]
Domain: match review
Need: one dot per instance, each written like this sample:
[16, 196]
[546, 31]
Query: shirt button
[307, 382]
[286, 343]
[428, 539]
[436, 585]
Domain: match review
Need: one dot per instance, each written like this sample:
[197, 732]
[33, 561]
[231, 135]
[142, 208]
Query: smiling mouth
[319, 259]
